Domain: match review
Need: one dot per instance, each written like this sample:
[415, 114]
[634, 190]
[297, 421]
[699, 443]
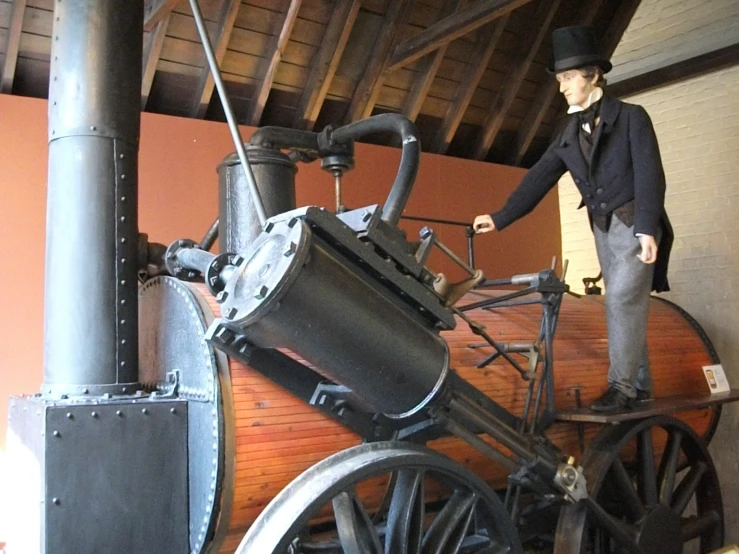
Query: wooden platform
[657, 406]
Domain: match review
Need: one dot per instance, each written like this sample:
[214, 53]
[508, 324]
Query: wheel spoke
[625, 487]
[356, 532]
[668, 467]
[687, 487]
[448, 529]
[406, 513]
[647, 479]
[695, 526]
[618, 530]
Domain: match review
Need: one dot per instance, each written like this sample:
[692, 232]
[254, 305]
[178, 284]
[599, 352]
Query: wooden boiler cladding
[278, 436]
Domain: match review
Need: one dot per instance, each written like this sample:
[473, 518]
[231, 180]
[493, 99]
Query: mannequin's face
[575, 87]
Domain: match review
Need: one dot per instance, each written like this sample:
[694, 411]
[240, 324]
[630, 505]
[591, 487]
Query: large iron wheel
[434, 506]
[640, 505]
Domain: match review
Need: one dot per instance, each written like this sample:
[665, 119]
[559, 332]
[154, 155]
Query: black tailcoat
[625, 165]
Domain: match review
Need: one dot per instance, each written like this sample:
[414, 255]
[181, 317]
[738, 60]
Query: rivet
[119, 413]
[55, 500]
[55, 433]
[93, 128]
[123, 240]
[123, 301]
[173, 410]
[124, 389]
[85, 391]
[94, 414]
[144, 411]
[231, 313]
[123, 260]
[123, 364]
[121, 156]
[123, 198]
[123, 341]
[123, 321]
[123, 175]
[69, 415]
[123, 218]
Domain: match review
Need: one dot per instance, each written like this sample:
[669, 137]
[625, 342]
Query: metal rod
[337, 187]
[430, 220]
[491, 301]
[470, 232]
[476, 442]
[210, 237]
[232, 125]
[456, 259]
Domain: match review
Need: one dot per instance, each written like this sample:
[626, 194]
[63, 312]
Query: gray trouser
[628, 283]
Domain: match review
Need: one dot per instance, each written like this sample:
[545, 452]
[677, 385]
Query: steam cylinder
[90, 312]
[274, 174]
[292, 290]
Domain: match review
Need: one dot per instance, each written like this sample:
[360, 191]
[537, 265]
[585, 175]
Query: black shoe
[643, 395]
[612, 401]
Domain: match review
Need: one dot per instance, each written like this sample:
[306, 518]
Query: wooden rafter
[220, 40]
[152, 49]
[653, 75]
[156, 10]
[374, 75]
[327, 60]
[269, 69]
[12, 45]
[486, 44]
[530, 44]
[544, 98]
[427, 71]
[461, 23]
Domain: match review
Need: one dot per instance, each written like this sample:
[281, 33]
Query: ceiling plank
[461, 23]
[219, 42]
[269, 68]
[543, 100]
[12, 45]
[668, 69]
[530, 44]
[152, 49]
[427, 72]
[374, 75]
[487, 42]
[156, 10]
[327, 60]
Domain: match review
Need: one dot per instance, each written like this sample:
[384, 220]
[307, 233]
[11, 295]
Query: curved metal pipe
[409, 160]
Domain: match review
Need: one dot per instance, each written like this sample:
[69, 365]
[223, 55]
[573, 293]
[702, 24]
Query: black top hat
[575, 47]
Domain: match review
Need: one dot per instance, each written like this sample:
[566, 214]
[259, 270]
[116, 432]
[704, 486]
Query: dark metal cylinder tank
[295, 291]
[274, 173]
[90, 315]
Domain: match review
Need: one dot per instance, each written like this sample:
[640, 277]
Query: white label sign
[716, 378]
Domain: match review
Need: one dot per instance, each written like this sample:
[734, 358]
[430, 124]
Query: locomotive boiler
[314, 386]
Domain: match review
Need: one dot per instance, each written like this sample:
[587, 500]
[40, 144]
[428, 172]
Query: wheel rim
[466, 516]
[663, 506]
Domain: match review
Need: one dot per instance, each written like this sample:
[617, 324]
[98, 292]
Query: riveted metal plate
[172, 325]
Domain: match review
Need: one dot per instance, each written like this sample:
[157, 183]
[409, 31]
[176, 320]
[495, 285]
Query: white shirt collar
[594, 96]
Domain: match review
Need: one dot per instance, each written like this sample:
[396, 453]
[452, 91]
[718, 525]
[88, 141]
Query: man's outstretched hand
[483, 224]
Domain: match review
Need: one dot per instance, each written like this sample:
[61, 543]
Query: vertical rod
[91, 309]
[232, 125]
[210, 237]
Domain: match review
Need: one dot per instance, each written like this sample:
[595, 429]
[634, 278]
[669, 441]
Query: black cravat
[589, 115]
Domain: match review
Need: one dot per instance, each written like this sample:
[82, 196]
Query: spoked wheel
[435, 506]
[655, 504]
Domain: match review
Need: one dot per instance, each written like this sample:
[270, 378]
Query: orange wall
[178, 198]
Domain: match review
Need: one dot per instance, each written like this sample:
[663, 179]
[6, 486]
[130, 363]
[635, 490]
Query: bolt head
[221, 296]
[262, 292]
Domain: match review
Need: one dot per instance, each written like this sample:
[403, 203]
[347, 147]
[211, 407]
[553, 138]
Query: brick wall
[697, 125]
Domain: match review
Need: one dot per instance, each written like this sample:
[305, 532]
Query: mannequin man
[611, 150]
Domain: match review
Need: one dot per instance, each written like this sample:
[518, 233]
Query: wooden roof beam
[707, 53]
[269, 68]
[327, 60]
[152, 49]
[12, 45]
[204, 90]
[156, 10]
[530, 45]
[461, 23]
[546, 94]
[427, 71]
[368, 89]
[486, 44]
